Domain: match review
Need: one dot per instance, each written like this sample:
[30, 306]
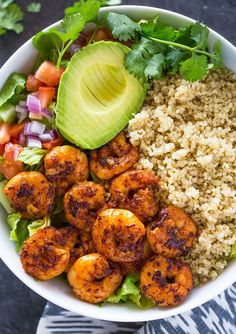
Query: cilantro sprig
[11, 17]
[159, 48]
[54, 43]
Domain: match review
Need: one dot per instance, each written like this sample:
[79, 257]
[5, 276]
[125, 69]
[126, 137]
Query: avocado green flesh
[97, 96]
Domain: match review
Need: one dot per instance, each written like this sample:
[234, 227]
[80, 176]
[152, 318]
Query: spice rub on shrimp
[93, 278]
[64, 166]
[81, 204]
[136, 190]
[173, 234]
[45, 254]
[113, 158]
[30, 194]
[166, 281]
[118, 235]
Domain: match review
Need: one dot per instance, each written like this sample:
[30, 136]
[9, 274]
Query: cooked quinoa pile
[186, 133]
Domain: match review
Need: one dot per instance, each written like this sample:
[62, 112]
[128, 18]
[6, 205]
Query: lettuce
[3, 198]
[130, 292]
[15, 84]
[18, 229]
[32, 157]
[38, 224]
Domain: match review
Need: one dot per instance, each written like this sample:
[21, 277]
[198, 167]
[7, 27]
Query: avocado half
[97, 96]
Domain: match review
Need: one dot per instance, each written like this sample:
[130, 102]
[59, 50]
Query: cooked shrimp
[166, 281]
[136, 191]
[81, 204]
[64, 166]
[118, 235]
[31, 194]
[79, 243]
[113, 158]
[173, 234]
[130, 267]
[93, 279]
[45, 254]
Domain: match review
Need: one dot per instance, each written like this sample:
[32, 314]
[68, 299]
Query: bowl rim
[142, 315]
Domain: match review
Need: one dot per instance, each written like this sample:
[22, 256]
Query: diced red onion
[48, 114]
[54, 133]
[34, 128]
[22, 139]
[33, 141]
[35, 116]
[20, 109]
[33, 104]
[22, 104]
[16, 152]
[22, 115]
[46, 137]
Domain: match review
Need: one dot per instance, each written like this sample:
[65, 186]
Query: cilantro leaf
[73, 25]
[14, 85]
[218, 60]
[110, 2]
[121, 26]
[199, 33]
[155, 66]
[194, 68]
[11, 16]
[130, 291]
[88, 9]
[154, 28]
[18, 229]
[34, 7]
[174, 57]
[5, 3]
[31, 156]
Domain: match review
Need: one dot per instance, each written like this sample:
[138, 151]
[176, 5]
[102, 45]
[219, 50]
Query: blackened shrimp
[118, 235]
[81, 204]
[166, 281]
[137, 191]
[30, 194]
[64, 166]
[173, 234]
[113, 158]
[93, 278]
[45, 255]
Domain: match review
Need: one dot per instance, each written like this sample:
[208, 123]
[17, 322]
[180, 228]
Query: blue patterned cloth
[218, 316]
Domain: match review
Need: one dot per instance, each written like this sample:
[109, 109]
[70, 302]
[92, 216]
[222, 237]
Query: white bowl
[58, 292]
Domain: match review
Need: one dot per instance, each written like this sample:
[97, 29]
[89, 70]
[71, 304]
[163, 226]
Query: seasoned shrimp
[118, 235]
[79, 243]
[173, 234]
[113, 158]
[45, 254]
[166, 281]
[31, 194]
[130, 267]
[93, 279]
[81, 204]
[136, 190]
[64, 166]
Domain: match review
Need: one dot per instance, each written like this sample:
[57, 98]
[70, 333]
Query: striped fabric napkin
[217, 316]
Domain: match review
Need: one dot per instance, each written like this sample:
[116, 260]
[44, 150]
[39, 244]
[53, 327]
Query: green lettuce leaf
[14, 85]
[233, 252]
[58, 206]
[38, 224]
[18, 229]
[130, 291]
[3, 198]
[32, 156]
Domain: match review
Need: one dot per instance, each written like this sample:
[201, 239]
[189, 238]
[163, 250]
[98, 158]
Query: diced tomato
[46, 95]
[12, 151]
[32, 84]
[4, 133]
[10, 168]
[16, 129]
[49, 145]
[49, 74]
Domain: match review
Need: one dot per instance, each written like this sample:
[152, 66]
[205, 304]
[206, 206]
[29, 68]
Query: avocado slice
[97, 96]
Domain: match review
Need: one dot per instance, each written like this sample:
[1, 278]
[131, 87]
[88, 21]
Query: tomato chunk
[12, 151]
[4, 133]
[16, 129]
[49, 74]
[46, 95]
[32, 84]
[49, 145]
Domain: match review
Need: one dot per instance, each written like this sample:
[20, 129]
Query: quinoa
[186, 134]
